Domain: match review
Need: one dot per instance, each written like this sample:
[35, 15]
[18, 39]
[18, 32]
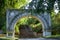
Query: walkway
[39, 39]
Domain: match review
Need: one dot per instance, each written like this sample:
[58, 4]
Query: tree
[9, 4]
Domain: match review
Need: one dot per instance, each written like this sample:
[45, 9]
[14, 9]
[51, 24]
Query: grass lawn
[5, 38]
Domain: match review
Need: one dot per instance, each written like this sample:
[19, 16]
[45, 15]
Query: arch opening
[34, 29]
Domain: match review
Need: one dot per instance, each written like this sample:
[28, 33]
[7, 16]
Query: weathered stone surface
[11, 21]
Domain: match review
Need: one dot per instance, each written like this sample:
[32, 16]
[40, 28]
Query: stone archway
[14, 15]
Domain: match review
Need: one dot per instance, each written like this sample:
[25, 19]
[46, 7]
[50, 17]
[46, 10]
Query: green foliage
[9, 4]
[55, 23]
[37, 27]
[32, 22]
[15, 3]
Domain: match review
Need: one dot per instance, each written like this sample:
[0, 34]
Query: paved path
[38, 39]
